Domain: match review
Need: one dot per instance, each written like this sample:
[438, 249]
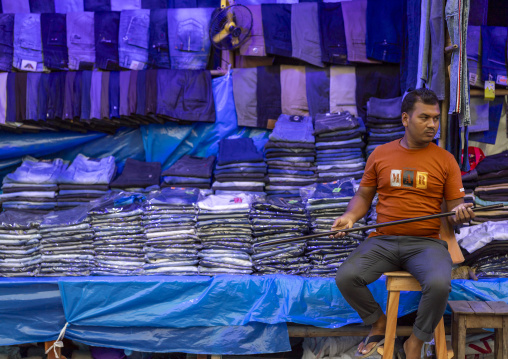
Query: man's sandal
[378, 339]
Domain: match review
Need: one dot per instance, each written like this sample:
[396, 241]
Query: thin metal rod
[372, 226]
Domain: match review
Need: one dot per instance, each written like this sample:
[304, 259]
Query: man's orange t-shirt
[411, 183]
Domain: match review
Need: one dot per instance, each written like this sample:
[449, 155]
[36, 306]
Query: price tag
[490, 90]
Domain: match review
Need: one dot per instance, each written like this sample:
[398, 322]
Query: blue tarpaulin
[219, 315]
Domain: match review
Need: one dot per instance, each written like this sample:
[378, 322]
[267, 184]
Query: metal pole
[372, 226]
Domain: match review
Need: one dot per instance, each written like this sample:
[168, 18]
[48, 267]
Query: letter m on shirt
[395, 178]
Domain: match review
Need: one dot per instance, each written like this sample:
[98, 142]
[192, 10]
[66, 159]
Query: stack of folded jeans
[19, 244]
[278, 218]
[492, 187]
[170, 226]
[326, 203]
[240, 167]
[32, 185]
[339, 146]
[84, 180]
[138, 176]
[226, 234]
[119, 236]
[67, 243]
[189, 171]
[290, 155]
[384, 122]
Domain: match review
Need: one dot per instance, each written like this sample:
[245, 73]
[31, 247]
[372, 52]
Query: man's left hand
[463, 214]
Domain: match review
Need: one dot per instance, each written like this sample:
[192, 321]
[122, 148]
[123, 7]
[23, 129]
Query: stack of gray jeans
[279, 218]
[328, 202]
[384, 122]
[67, 243]
[290, 156]
[226, 234]
[19, 244]
[33, 185]
[339, 146]
[169, 220]
[119, 238]
[84, 180]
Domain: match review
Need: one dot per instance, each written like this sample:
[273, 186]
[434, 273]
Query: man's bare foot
[413, 347]
[378, 328]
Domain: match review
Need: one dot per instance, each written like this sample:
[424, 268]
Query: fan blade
[234, 41]
[220, 36]
[230, 15]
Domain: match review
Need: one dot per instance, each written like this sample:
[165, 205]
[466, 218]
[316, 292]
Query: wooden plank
[484, 321]
[505, 337]
[460, 307]
[347, 331]
[499, 308]
[440, 340]
[398, 274]
[400, 284]
[391, 324]
[202, 356]
[480, 307]
[461, 338]
[498, 344]
[455, 335]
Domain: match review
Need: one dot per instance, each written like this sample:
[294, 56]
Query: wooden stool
[395, 283]
[471, 314]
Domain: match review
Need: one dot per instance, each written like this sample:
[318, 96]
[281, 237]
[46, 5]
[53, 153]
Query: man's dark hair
[423, 95]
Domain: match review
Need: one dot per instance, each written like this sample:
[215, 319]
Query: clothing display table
[224, 314]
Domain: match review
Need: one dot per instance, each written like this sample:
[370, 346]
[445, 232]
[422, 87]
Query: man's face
[422, 124]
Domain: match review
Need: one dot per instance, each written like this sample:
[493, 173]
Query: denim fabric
[479, 115]
[125, 5]
[106, 28]
[332, 33]
[27, 42]
[34, 171]
[495, 109]
[154, 4]
[158, 49]
[190, 166]
[277, 29]
[255, 43]
[14, 7]
[334, 122]
[133, 39]
[54, 41]
[80, 40]
[293, 90]
[268, 94]
[244, 91]
[342, 89]
[424, 44]
[409, 66]
[151, 92]
[185, 95]
[42, 6]
[189, 42]
[68, 95]
[355, 24]
[97, 5]
[384, 30]
[104, 104]
[6, 41]
[238, 150]
[67, 6]
[11, 98]
[114, 94]
[95, 95]
[124, 80]
[141, 93]
[84, 170]
[437, 43]
[293, 129]
[474, 60]
[384, 108]
[86, 82]
[132, 93]
[497, 15]
[478, 12]
[493, 52]
[318, 90]
[32, 91]
[54, 107]
[305, 40]
[375, 81]
[3, 96]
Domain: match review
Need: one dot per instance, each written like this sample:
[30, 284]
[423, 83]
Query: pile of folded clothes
[276, 218]
[225, 233]
[189, 171]
[170, 225]
[372, 214]
[84, 180]
[492, 187]
[339, 146]
[33, 185]
[290, 155]
[327, 203]
[138, 176]
[19, 244]
[487, 247]
[240, 167]
[119, 235]
[67, 243]
[384, 121]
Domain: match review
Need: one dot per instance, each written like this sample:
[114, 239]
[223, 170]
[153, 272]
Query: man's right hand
[342, 222]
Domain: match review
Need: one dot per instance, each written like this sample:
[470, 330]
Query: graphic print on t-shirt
[422, 179]
[395, 178]
[408, 177]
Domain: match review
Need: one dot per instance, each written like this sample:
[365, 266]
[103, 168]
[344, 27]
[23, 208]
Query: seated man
[412, 176]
